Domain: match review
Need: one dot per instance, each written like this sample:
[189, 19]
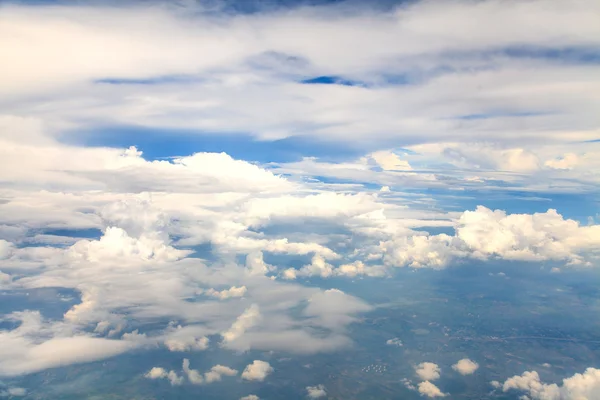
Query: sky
[188, 169]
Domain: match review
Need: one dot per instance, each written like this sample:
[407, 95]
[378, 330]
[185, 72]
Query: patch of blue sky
[90, 233]
[165, 143]
[577, 55]
[333, 80]
[156, 80]
[577, 206]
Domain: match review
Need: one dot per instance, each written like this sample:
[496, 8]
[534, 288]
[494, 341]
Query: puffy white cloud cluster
[484, 234]
[581, 386]
[257, 371]
[215, 374]
[427, 372]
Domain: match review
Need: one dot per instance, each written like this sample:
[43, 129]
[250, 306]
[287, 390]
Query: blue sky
[254, 164]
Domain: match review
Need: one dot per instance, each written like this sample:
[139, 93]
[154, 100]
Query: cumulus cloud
[257, 371]
[227, 293]
[581, 386]
[187, 343]
[250, 397]
[430, 390]
[215, 374]
[465, 366]
[316, 392]
[161, 373]
[428, 371]
[484, 234]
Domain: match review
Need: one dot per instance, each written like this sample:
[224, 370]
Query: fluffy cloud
[250, 397]
[316, 392]
[585, 386]
[246, 320]
[187, 344]
[428, 371]
[227, 293]
[215, 374]
[257, 371]
[465, 366]
[161, 373]
[430, 390]
[484, 234]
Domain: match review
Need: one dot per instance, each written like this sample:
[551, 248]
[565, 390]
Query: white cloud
[160, 373]
[187, 343]
[215, 374]
[465, 366]
[484, 234]
[250, 397]
[257, 371]
[36, 345]
[245, 321]
[316, 392]
[193, 375]
[430, 390]
[394, 342]
[227, 293]
[428, 371]
[585, 386]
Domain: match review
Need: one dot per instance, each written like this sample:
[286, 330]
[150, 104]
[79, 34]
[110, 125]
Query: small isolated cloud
[161, 373]
[585, 386]
[430, 390]
[465, 366]
[316, 392]
[428, 371]
[394, 342]
[227, 293]
[250, 397]
[257, 371]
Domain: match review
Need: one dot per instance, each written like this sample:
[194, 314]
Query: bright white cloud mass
[219, 183]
